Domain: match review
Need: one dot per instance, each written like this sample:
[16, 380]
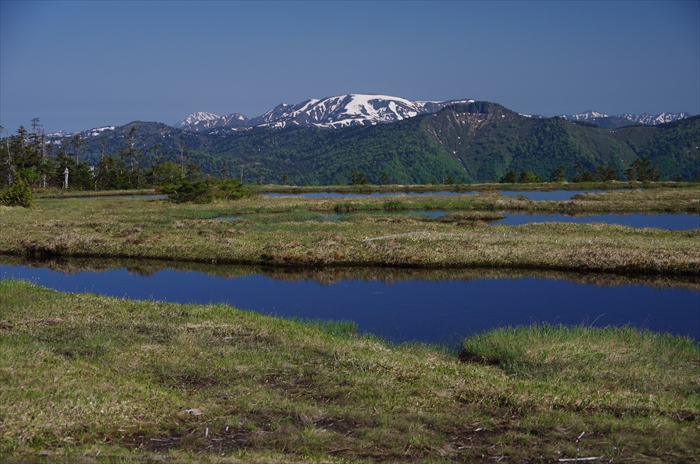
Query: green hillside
[476, 142]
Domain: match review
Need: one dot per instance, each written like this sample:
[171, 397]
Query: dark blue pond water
[657, 221]
[374, 194]
[420, 310]
[98, 197]
[532, 195]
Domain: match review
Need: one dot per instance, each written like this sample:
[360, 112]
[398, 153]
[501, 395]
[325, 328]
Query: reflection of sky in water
[404, 310]
[374, 194]
[98, 197]
[657, 221]
[532, 195]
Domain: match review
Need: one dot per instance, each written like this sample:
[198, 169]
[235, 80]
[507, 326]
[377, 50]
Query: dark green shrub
[394, 206]
[344, 208]
[194, 192]
[19, 194]
[510, 178]
[231, 189]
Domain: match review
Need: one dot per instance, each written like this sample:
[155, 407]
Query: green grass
[296, 232]
[86, 377]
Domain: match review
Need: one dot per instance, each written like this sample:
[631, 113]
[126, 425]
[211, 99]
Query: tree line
[28, 156]
[642, 170]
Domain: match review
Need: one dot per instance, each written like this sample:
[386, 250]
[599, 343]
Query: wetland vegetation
[105, 379]
[295, 232]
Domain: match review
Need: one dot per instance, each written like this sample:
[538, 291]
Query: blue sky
[82, 64]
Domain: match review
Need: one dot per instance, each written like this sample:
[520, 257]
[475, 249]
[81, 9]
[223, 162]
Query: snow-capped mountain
[585, 116]
[201, 120]
[56, 138]
[347, 110]
[331, 112]
[644, 118]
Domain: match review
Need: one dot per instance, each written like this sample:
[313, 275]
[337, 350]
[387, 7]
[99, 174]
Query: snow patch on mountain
[202, 120]
[590, 114]
[332, 112]
[347, 110]
[644, 118]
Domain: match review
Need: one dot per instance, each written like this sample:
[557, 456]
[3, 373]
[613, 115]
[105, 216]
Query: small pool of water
[556, 195]
[656, 221]
[373, 194]
[102, 197]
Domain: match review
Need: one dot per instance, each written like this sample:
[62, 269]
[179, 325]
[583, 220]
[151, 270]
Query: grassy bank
[301, 232]
[91, 377]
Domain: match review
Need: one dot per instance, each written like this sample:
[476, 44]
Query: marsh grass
[299, 233]
[97, 378]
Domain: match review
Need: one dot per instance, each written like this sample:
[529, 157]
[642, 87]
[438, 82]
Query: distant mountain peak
[595, 117]
[331, 112]
[202, 120]
[590, 114]
[197, 117]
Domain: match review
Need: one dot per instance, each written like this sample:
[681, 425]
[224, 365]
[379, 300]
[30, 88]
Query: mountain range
[332, 112]
[321, 142]
[627, 119]
[362, 109]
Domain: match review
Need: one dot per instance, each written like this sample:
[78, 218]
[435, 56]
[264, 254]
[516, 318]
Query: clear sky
[83, 64]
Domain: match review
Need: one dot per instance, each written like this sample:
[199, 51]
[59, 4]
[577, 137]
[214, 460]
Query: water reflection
[537, 195]
[669, 221]
[397, 304]
[657, 221]
[110, 197]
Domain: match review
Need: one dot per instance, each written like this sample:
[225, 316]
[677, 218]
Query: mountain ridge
[330, 112]
[626, 119]
[467, 142]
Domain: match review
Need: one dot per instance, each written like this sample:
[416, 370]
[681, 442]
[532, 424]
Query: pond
[398, 305]
[121, 197]
[536, 195]
[657, 221]
[669, 221]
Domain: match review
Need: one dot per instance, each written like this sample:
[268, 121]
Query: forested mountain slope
[475, 142]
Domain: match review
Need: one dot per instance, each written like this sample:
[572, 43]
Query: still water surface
[681, 221]
[440, 307]
[556, 195]
[657, 221]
